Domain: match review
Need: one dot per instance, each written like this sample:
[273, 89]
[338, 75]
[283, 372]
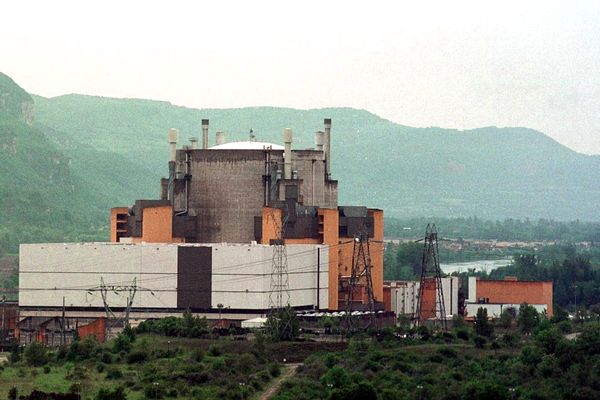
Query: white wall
[47, 272]
[405, 296]
[495, 310]
[242, 275]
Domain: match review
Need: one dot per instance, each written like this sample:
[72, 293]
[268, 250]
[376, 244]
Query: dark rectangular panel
[194, 273]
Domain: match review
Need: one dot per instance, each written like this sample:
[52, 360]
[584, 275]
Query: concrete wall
[226, 192]
[511, 292]
[495, 310]
[405, 296]
[242, 275]
[47, 272]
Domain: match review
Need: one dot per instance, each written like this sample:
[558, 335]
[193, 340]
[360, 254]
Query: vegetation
[505, 230]
[504, 365]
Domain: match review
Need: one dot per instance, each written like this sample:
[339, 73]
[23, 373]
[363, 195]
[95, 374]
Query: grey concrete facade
[235, 276]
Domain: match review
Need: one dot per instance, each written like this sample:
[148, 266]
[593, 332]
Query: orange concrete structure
[157, 225]
[341, 250]
[510, 293]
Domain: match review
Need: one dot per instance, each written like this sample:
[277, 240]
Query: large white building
[167, 277]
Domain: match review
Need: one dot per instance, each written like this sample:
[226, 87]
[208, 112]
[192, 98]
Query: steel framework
[431, 281]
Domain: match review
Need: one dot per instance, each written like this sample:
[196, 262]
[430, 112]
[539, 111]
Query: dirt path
[290, 370]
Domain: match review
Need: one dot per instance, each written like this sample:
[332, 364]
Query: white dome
[248, 145]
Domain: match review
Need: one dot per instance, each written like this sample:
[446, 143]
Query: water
[480, 265]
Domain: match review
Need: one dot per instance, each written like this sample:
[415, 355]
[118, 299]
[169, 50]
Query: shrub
[479, 341]
[448, 352]
[106, 358]
[155, 391]
[114, 373]
[117, 393]
[13, 393]
[137, 357]
[462, 333]
[36, 354]
[46, 369]
[198, 355]
[100, 367]
[274, 369]
[215, 350]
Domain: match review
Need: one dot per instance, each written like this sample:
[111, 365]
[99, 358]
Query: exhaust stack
[204, 134]
[287, 164]
[193, 142]
[220, 138]
[173, 136]
[327, 123]
[319, 140]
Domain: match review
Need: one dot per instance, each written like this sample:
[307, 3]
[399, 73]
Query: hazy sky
[454, 64]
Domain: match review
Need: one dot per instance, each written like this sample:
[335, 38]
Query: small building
[402, 297]
[499, 295]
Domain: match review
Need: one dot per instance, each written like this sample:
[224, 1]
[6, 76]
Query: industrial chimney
[204, 134]
[327, 123]
[173, 136]
[220, 138]
[319, 140]
[287, 163]
[193, 142]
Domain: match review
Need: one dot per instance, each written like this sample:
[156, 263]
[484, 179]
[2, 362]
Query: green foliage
[36, 354]
[187, 326]
[282, 325]
[136, 357]
[117, 393]
[528, 318]
[483, 326]
[13, 393]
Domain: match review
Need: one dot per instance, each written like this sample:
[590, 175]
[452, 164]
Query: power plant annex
[239, 228]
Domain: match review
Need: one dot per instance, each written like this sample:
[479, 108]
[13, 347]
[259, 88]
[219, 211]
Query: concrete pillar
[327, 123]
[173, 136]
[319, 140]
[287, 164]
[220, 138]
[205, 134]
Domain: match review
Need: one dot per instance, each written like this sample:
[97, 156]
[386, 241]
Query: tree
[282, 325]
[483, 326]
[36, 354]
[529, 318]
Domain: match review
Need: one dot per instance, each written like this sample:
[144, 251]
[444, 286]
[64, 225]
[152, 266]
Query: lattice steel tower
[361, 271]
[279, 294]
[431, 306]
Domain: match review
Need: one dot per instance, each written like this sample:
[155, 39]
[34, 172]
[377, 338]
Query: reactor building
[228, 219]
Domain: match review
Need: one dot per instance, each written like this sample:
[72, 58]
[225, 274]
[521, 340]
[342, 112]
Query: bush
[155, 391]
[448, 352]
[117, 393]
[274, 369]
[137, 357]
[462, 333]
[198, 355]
[114, 373]
[106, 358]
[13, 393]
[46, 369]
[215, 350]
[36, 354]
[479, 341]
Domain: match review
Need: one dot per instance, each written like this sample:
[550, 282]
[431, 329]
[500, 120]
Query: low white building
[167, 276]
[404, 296]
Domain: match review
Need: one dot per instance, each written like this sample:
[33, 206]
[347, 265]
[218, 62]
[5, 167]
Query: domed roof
[247, 145]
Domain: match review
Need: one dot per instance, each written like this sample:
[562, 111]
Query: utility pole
[62, 325]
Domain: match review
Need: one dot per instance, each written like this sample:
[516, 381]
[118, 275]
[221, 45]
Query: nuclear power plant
[239, 228]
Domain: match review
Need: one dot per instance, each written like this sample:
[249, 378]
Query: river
[480, 265]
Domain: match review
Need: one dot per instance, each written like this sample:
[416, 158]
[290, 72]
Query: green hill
[488, 172]
[65, 161]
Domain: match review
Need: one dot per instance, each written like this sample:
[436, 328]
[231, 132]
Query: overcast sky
[453, 64]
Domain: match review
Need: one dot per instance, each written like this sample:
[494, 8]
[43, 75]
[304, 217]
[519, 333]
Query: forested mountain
[66, 160]
[488, 172]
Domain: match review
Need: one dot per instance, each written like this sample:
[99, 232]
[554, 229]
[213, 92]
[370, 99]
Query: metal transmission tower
[431, 304]
[279, 294]
[361, 271]
[112, 319]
